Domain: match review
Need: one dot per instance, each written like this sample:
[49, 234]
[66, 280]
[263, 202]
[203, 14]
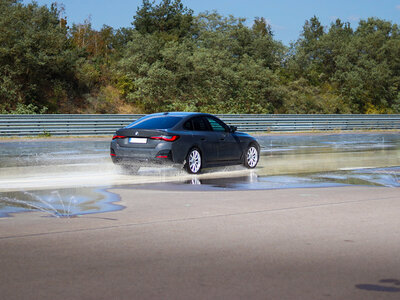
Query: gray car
[194, 140]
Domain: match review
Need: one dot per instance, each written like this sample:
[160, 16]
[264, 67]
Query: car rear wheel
[251, 157]
[193, 161]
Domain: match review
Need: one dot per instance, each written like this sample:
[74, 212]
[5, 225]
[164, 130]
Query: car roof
[178, 114]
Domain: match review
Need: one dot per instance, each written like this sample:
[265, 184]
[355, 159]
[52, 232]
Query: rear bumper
[125, 155]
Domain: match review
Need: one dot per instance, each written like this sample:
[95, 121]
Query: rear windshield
[155, 122]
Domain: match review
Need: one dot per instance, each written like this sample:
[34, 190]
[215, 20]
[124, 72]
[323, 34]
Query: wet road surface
[70, 177]
[318, 219]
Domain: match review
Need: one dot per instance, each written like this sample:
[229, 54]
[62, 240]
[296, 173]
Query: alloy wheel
[252, 157]
[194, 161]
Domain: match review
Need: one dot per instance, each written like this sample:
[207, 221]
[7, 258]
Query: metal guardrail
[32, 125]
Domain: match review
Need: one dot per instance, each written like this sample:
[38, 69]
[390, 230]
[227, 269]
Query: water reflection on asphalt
[385, 177]
[69, 177]
[60, 203]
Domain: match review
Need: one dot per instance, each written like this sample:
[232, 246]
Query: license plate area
[138, 140]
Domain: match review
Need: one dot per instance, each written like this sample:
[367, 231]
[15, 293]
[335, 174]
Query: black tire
[194, 161]
[251, 157]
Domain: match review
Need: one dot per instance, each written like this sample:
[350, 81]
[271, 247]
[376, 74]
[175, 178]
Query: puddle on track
[69, 178]
[385, 177]
[62, 203]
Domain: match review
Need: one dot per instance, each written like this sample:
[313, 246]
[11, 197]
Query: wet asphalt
[318, 219]
[69, 177]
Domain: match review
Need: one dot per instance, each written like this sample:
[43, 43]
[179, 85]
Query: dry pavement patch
[323, 243]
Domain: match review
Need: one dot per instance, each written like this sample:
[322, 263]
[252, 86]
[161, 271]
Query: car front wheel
[193, 161]
[251, 157]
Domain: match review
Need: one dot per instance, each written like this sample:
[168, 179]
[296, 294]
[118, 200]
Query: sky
[286, 17]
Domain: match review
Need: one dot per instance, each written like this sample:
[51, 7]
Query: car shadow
[385, 285]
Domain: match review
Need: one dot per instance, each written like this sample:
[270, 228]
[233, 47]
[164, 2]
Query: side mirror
[232, 128]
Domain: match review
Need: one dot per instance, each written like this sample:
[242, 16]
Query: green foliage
[44, 134]
[303, 98]
[169, 19]
[105, 102]
[23, 109]
[34, 55]
[362, 65]
[225, 67]
[173, 60]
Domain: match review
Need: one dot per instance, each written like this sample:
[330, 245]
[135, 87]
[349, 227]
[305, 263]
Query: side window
[199, 124]
[188, 125]
[215, 125]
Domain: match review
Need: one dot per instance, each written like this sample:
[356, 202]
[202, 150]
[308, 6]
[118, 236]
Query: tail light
[118, 137]
[167, 138]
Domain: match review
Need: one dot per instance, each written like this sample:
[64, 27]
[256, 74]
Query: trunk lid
[138, 138]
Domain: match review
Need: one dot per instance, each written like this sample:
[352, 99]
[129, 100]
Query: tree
[36, 60]
[367, 72]
[216, 70]
[361, 66]
[261, 27]
[169, 19]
